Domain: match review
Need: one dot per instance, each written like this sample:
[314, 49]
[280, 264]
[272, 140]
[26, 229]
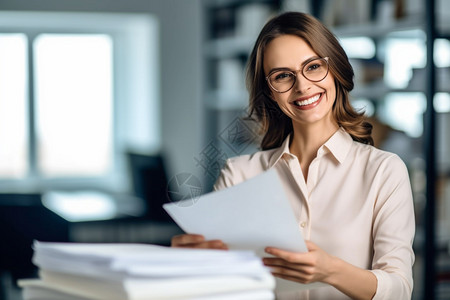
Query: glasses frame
[301, 70]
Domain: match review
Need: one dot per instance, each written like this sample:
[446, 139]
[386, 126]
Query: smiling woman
[352, 201]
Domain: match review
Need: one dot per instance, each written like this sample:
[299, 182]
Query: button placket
[294, 166]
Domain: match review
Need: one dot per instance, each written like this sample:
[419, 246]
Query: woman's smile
[309, 102]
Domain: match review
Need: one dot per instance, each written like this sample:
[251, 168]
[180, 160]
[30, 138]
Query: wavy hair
[276, 126]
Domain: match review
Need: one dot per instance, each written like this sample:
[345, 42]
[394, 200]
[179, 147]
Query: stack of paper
[138, 272]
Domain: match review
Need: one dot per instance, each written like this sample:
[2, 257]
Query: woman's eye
[283, 76]
[313, 67]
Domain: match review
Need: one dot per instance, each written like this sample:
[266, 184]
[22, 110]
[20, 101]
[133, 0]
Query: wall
[180, 66]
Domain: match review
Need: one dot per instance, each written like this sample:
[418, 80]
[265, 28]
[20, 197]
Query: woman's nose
[301, 84]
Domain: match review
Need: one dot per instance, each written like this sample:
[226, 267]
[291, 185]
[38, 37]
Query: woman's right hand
[196, 241]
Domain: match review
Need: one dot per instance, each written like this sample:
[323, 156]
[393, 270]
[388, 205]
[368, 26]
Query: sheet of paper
[251, 215]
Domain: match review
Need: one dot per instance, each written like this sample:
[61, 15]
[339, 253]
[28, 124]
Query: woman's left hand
[308, 267]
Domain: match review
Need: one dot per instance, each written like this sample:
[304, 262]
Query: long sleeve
[225, 178]
[393, 233]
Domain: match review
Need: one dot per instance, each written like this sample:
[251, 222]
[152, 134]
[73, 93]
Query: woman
[352, 201]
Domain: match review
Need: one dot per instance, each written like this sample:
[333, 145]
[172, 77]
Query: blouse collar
[338, 145]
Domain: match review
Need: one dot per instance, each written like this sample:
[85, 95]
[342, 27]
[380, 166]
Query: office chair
[149, 182]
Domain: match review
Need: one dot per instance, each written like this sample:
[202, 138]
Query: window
[73, 97]
[13, 106]
[76, 90]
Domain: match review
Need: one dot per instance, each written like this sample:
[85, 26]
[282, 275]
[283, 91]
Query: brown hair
[275, 124]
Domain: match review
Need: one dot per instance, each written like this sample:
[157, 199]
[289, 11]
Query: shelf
[225, 100]
[443, 29]
[229, 47]
[377, 30]
[241, 45]
[225, 3]
[378, 92]
[417, 84]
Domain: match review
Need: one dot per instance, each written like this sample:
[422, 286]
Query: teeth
[308, 101]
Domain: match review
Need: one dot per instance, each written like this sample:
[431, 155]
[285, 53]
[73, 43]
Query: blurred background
[108, 109]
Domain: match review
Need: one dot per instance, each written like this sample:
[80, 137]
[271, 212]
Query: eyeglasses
[283, 80]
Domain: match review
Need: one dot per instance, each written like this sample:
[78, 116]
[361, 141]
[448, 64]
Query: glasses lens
[282, 81]
[316, 70]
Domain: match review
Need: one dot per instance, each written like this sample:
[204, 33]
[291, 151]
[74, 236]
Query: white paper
[119, 261]
[251, 215]
[69, 288]
[161, 288]
[142, 272]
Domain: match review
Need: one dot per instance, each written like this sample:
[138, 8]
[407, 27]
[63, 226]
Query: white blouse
[356, 205]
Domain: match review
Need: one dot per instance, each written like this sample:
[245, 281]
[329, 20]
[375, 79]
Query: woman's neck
[307, 139]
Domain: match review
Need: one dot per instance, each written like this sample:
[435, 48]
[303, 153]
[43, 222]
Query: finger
[188, 238]
[292, 257]
[281, 263]
[299, 271]
[303, 280]
[310, 245]
[216, 244]
[302, 273]
[275, 261]
[183, 239]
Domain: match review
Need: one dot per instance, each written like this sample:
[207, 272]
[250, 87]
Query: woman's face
[307, 102]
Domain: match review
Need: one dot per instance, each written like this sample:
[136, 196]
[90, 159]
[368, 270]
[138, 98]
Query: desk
[23, 219]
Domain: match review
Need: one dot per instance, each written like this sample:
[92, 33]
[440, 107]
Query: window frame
[136, 123]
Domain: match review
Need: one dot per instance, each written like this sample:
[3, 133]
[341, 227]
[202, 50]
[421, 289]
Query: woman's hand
[196, 241]
[312, 266]
[317, 265]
